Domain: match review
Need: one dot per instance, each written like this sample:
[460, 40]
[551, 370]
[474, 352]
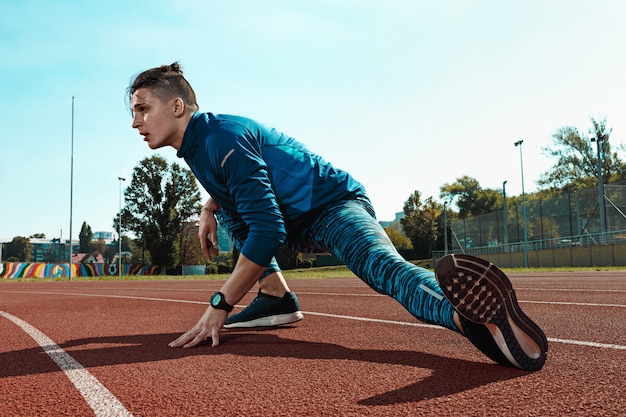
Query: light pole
[71, 191]
[445, 228]
[521, 161]
[601, 191]
[504, 215]
[119, 232]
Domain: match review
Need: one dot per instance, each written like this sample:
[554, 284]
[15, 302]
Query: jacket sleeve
[247, 181]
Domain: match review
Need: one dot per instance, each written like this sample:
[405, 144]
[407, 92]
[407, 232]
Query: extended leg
[352, 233]
[475, 297]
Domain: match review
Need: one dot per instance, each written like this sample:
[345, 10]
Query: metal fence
[571, 219]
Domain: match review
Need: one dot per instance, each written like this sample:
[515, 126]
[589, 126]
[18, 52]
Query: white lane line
[99, 398]
[592, 344]
[432, 326]
[401, 323]
[567, 290]
[571, 303]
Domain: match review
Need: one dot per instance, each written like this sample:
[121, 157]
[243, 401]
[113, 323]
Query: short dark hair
[166, 82]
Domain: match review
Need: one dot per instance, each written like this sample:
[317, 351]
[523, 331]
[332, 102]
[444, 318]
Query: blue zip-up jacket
[269, 179]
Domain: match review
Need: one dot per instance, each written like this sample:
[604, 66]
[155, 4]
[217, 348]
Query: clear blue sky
[405, 95]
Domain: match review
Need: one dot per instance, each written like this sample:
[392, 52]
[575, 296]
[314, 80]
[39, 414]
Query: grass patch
[321, 272]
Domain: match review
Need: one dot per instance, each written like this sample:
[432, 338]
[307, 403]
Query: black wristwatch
[218, 301]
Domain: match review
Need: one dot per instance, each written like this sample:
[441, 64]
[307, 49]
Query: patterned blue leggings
[350, 231]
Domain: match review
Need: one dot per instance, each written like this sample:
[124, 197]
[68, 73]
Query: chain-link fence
[571, 219]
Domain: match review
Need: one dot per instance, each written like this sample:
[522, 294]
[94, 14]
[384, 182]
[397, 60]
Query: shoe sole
[481, 293]
[269, 321]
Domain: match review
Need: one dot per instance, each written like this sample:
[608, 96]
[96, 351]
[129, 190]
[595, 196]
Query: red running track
[100, 348]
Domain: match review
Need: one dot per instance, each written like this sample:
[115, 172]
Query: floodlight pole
[601, 191]
[504, 216]
[119, 231]
[519, 143]
[445, 228]
[71, 191]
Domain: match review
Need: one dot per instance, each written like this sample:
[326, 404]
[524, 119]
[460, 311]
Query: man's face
[153, 118]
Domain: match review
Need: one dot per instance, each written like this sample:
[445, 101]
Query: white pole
[71, 190]
[119, 231]
[504, 216]
[521, 162]
[445, 228]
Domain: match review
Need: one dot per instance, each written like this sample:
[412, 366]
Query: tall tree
[472, 199]
[577, 158]
[84, 237]
[421, 223]
[158, 201]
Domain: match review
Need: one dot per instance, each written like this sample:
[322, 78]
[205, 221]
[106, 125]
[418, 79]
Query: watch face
[216, 299]
[219, 301]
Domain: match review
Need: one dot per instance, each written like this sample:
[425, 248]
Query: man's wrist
[210, 209]
[218, 301]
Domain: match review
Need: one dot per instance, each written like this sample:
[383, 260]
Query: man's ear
[179, 107]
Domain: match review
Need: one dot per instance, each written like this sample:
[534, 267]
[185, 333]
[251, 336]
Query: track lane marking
[347, 317]
[401, 323]
[100, 399]
[574, 303]
[432, 326]
[568, 290]
[589, 344]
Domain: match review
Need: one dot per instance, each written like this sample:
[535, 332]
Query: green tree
[400, 241]
[84, 237]
[421, 223]
[190, 249]
[127, 244]
[472, 199]
[18, 250]
[158, 201]
[577, 159]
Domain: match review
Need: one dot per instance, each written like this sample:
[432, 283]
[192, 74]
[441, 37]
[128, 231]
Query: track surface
[100, 348]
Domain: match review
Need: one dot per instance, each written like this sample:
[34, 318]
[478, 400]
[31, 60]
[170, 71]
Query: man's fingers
[180, 341]
[209, 248]
[191, 339]
[206, 248]
[216, 337]
[198, 339]
[187, 339]
[209, 325]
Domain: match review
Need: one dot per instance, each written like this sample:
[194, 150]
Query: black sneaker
[491, 318]
[267, 310]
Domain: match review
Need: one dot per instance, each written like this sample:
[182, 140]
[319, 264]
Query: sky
[406, 95]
